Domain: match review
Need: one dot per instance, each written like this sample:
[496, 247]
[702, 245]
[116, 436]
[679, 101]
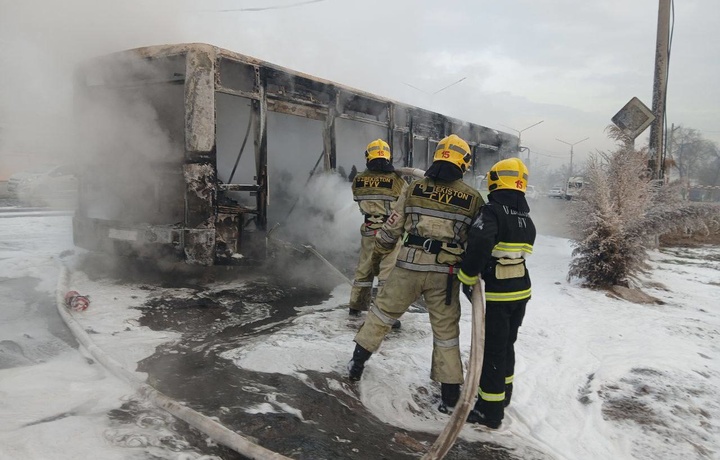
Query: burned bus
[188, 149]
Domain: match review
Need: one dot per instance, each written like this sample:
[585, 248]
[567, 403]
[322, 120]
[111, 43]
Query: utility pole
[662, 55]
[571, 150]
[520, 146]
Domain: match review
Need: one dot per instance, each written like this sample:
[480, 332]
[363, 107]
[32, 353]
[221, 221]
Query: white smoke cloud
[41, 42]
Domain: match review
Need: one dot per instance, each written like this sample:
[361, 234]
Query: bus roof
[426, 123]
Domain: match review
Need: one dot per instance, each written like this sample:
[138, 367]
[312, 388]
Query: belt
[432, 246]
[428, 245]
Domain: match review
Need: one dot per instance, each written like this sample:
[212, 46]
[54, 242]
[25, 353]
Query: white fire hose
[414, 172]
[457, 420]
[447, 438]
[206, 425]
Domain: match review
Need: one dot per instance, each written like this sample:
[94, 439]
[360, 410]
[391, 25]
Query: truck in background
[574, 187]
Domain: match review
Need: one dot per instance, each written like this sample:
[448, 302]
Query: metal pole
[659, 88]
[571, 150]
[520, 134]
[525, 149]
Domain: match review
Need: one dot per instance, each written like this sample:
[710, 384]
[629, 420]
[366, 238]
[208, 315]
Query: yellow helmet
[378, 149]
[510, 174]
[454, 150]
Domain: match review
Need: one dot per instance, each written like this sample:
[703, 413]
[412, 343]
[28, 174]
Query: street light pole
[520, 136]
[571, 149]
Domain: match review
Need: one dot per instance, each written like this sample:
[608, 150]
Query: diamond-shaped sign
[634, 118]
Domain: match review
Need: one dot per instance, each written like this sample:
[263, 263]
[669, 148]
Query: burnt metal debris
[141, 198]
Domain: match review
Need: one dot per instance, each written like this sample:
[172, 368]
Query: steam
[41, 43]
[326, 217]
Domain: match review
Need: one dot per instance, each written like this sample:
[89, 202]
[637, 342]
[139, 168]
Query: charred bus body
[188, 149]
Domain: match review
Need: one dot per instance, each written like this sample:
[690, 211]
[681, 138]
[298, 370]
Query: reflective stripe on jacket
[376, 193]
[500, 239]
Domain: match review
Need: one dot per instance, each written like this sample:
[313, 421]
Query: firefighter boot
[508, 393]
[359, 300]
[356, 366]
[449, 394]
[477, 415]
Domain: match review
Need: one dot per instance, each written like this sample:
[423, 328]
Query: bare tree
[689, 151]
[709, 173]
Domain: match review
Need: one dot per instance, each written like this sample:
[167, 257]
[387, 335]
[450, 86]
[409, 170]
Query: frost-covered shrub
[619, 215]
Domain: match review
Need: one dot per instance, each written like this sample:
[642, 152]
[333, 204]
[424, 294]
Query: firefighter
[375, 190]
[500, 239]
[435, 214]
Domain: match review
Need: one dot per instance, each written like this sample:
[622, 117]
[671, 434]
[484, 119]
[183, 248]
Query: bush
[620, 215]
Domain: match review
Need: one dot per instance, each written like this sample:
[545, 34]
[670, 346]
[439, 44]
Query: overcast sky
[572, 64]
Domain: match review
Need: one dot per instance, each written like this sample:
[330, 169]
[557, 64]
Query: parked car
[556, 192]
[50, 185]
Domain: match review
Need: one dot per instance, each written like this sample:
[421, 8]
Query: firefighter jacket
[500, 239]
[376, 192]
[434, 217]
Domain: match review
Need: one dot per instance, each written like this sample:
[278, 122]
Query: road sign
[634, 118]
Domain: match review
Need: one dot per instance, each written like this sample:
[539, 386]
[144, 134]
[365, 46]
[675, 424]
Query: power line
[435, 92]
[415, 87]
[265, 8]
[448, 86]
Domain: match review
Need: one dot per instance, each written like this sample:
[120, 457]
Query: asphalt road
[550, 216]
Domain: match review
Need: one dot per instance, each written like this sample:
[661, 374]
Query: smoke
[326, 217]
[41, 42]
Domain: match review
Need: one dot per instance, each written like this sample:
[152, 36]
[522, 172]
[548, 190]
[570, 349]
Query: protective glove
[467, 290]
[467, 283]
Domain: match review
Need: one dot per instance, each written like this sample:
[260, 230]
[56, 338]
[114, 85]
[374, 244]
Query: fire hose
[242, 445]
[414, 172]
[452, 429]
[477, 341]
[447, 437]
[211, 428]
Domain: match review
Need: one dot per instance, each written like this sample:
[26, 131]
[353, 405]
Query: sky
[583, 360]
[571, 65]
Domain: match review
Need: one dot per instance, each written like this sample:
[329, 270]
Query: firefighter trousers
[360, 294]
[502, 321]
[402, 288]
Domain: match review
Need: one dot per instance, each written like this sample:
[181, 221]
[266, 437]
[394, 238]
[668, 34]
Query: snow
[596, 378]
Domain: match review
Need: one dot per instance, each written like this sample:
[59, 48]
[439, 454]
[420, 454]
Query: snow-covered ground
[597, 377]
